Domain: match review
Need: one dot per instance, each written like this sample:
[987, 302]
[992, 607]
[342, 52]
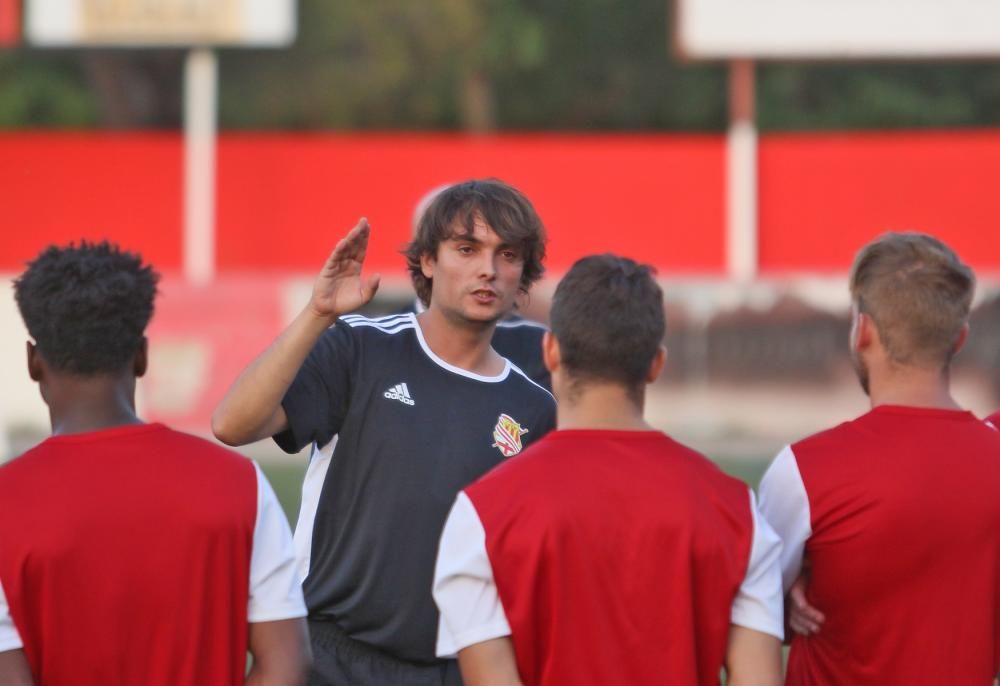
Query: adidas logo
[399, 392]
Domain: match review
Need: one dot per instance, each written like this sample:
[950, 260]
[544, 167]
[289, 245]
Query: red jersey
[125, 557]
[902, 530]
[617, 557]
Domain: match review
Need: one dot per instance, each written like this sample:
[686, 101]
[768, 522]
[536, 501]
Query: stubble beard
[460, 319]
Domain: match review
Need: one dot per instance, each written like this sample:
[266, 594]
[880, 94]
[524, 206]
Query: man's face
[476, 277]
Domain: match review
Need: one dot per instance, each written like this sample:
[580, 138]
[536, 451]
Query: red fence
[284, 199]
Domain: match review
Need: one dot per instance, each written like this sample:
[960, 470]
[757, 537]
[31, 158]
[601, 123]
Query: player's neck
[600, 406]
[911, 387]
[85, 404]
[465, 345]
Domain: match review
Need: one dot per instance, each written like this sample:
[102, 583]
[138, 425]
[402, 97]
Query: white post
[200, 89]
[741, 174]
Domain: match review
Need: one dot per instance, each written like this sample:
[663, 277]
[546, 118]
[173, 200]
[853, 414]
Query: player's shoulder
[518, 334]
[386, 325]
[201, 453]
[543, 455]
[23, 463]
[518, 323]
[835, 441]
[145, 439]
[700, 467]
[196, 444]
[993, 421]
[530, 386]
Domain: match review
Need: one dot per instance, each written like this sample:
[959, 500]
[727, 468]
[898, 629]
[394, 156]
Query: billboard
[144, 23]
[837, 29]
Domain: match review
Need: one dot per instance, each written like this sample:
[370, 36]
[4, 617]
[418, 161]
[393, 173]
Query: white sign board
[837, 29]
[150, 23]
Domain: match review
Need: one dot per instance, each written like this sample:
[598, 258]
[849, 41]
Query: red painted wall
[284, 199]
[10, 22]
[58, 187]
[822, 196]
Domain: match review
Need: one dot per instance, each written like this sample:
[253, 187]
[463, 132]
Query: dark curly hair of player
[87, 306]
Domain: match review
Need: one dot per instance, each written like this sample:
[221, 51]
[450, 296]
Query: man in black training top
[421, 405]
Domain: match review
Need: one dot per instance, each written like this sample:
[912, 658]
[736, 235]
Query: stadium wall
[284, 199]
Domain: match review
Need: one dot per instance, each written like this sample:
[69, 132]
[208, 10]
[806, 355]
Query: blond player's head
[918, 293]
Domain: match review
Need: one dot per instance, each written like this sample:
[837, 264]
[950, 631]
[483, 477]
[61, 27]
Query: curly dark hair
[507, 211]
[87, 306]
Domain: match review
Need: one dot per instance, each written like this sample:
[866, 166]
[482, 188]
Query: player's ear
[867, 333]
[963, 335]
[656, 366]
[551, 355]
[141, 361]
[35, 366]
[862, 329]
[427, 265]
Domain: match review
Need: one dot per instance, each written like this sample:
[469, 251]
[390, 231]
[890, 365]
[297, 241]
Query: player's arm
[490, 663]
[280, 652]
[473, 622]
[14, 670]
[784, 503]
[753, 658]
[251, 409]
[753, 655]
[278, 638]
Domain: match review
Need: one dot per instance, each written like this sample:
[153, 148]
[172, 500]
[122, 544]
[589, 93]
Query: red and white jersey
[609, 557]
[138, 555]
[994, 420]
[898, 514]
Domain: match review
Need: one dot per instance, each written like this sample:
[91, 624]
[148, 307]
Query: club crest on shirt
[507, 435]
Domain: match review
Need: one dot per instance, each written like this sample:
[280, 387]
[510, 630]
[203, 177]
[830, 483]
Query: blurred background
[745, 148]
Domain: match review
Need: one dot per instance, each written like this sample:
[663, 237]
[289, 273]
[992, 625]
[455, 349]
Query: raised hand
[340, 287]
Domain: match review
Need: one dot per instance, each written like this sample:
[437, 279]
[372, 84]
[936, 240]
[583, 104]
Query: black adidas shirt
[412, 432]
[520, 341]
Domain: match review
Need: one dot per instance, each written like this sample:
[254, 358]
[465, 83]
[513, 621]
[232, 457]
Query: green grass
[286, 478]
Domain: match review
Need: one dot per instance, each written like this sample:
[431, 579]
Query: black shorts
[339, 660]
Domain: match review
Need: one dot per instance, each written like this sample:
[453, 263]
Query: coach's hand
[340, 287]
[803, 618]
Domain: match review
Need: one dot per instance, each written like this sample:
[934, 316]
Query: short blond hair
[918, 293]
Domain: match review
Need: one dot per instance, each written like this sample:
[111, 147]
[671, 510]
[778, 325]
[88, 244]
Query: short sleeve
[275, 585]
[758, 604]
[316, 402]
[10, 639]
[464, 589]
[784, 503]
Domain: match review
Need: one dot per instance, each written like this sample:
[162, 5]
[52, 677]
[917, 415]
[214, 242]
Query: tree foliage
[485, 65]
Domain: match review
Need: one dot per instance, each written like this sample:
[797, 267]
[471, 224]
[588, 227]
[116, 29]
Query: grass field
[286, 478]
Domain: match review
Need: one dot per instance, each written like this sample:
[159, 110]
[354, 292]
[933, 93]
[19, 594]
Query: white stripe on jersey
[312, 485]
[518, 323]
[384, 324]
[519, 371]
[387, 320]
